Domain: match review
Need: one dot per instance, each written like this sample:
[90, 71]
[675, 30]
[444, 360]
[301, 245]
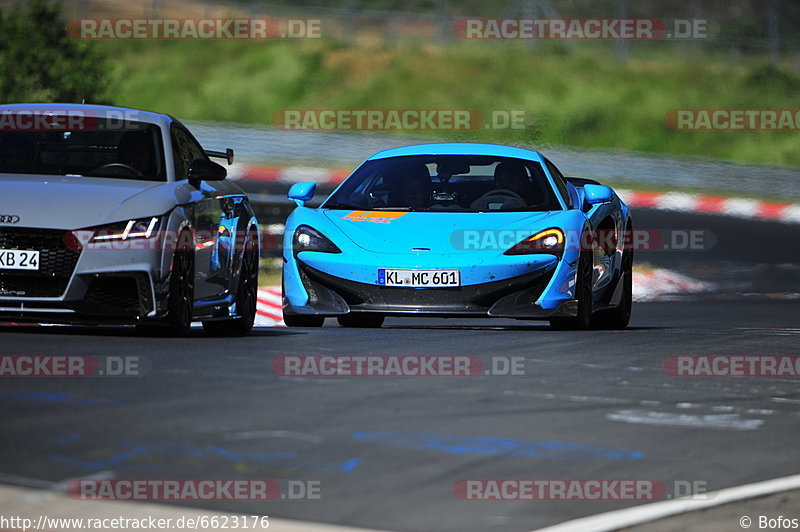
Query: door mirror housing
[597, 194]
[205, 170]
[300, 193]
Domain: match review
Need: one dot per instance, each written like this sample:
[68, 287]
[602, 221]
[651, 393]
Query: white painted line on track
[669, 419]
[637, 515]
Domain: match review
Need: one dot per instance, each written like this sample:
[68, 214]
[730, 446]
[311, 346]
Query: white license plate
[418, 278]
[16, 259]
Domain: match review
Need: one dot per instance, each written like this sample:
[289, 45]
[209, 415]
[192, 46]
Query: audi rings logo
[9, 219]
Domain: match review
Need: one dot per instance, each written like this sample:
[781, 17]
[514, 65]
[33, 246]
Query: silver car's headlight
[141, 228]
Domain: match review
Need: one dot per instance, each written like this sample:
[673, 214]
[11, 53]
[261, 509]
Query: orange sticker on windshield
[378, 217]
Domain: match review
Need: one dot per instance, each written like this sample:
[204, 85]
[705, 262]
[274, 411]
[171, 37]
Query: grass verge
[583, 99]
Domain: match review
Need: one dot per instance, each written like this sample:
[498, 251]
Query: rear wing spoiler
[227, 155]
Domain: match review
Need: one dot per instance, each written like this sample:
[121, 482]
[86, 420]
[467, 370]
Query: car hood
[438, 232]
[65, 202]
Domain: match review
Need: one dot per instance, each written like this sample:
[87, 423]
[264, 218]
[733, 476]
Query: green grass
[269, 276]
[584, 99]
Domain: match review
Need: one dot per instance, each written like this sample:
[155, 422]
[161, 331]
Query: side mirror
[300, 193]
[596, 194]
[205, 170]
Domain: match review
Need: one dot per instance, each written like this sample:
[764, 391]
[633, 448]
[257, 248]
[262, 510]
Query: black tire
[366, 321]
[181, 294]
[618, 318]
[301, 320]
[583, 294]
[246, 297]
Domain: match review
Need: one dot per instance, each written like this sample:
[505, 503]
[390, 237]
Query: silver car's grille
[57, 261]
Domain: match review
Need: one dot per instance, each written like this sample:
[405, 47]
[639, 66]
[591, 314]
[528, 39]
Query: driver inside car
[413, 187]
[513, 177]
[17, 152]
[136, 151]
[511, 189]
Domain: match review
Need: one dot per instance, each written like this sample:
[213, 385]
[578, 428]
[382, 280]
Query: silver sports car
[112, 215]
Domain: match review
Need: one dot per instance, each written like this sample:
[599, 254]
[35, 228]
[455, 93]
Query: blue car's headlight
[309, 239]
[141, 228]
[549, 241]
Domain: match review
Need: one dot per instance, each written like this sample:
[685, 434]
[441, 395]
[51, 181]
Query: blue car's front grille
[56, 262]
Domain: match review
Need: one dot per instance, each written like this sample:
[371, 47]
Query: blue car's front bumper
[530, 286]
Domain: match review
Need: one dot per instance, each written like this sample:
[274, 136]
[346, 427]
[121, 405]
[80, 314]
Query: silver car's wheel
[181, 293]
[246, 298]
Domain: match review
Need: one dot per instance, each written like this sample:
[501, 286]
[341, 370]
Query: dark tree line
[40, 62]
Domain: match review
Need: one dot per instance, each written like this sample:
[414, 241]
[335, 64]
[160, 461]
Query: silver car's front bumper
[75, 284]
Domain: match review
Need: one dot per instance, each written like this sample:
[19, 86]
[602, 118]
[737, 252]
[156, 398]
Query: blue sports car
[459, 229]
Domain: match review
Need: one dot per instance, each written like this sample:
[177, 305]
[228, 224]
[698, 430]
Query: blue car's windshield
[447, 183]
[100, 147]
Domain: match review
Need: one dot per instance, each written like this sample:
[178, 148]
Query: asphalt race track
[388, 451]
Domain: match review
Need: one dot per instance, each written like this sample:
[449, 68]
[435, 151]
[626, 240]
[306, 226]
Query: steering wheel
[375, 202]
[117, 170]
[500, 193]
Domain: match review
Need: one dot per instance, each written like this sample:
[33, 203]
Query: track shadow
[132, 332]
[542, 327]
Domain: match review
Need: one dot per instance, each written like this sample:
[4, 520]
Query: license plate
[15, 259]
[418, 278]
